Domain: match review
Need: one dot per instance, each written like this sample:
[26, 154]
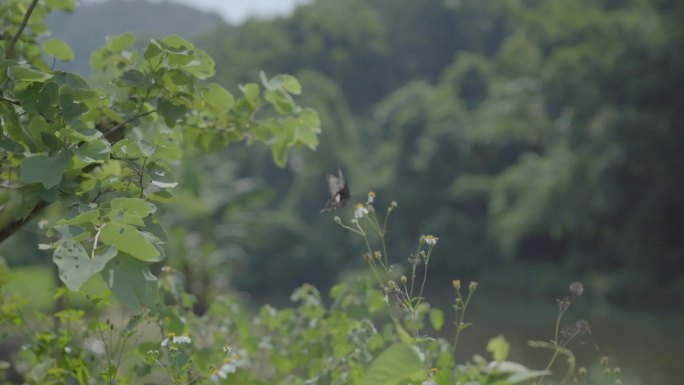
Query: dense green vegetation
[527, 133]
[537, 139]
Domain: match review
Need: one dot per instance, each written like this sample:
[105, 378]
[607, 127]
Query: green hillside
[86, 28]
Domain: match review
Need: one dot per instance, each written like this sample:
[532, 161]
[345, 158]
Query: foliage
[366, 335]
[86, 27]
[108, 151]
[547, 132]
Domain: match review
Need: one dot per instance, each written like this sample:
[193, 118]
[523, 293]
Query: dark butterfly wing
[340, 179]
[333, 185]
[339, 192]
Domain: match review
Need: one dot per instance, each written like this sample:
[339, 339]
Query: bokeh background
[540, 140]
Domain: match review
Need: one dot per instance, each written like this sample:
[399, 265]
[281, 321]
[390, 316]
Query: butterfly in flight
[339, 192]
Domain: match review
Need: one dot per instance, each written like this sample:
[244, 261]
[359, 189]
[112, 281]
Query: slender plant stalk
[556, 344]
[425, 271]
[10, 47]
[460, 326]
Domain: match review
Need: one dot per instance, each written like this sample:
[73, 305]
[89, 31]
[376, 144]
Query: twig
[109, 133]
[3, 99]
[10, 48]
[13, 227]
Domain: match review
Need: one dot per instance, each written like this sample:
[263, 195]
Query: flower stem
[460, 326]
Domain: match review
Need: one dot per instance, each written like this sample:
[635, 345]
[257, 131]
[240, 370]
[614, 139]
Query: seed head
[413, 259]
[583, 327]
[604, 361]
[576, 288]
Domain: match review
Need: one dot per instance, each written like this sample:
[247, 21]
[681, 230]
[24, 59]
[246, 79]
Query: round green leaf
[398, 362]
[202, 65]
[279, 152]
[41, 169]
[37, 126]
[251, 92]
[436, 319]
[131, 282]
[95, 151]
[170, 112]
[219, 97]
[175, 43]
[85, 217]
[281, 101]
[132, 78]
[290, 84]
[152, 50]
[120, 42]
[499, 348]
[59, 49]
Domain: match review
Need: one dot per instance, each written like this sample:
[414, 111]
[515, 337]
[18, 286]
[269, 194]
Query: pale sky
[236, 11]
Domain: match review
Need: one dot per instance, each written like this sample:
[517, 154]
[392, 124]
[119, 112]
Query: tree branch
[10, 48]
[110, 135]
[13, 227]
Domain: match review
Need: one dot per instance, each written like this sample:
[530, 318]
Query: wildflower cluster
[563, 335]
[173, 339]
[406, 292]
[231, 363]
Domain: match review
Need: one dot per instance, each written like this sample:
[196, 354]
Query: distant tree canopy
[538, 139]
[536, 131]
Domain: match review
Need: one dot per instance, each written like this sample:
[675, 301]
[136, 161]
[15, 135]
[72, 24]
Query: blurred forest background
[538, 139]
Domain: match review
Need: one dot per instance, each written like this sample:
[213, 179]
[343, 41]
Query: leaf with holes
[130, 240]
[75, 266]
[133, 206]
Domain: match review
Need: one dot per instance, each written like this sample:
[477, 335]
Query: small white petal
[360, 212]
[228, 368]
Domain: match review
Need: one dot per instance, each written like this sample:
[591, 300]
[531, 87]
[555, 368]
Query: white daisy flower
[360, 211]
[172, 338]
[218, 375]
[182, 340]
[431, 240]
